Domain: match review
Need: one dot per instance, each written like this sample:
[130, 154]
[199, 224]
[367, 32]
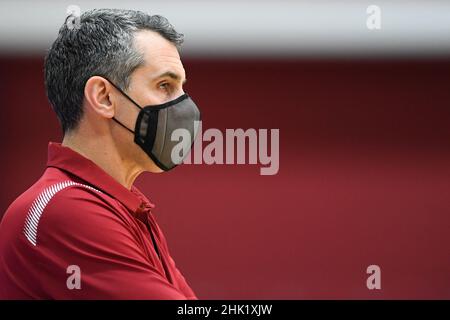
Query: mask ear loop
[134, 102]
[120, 90]
[123, 125]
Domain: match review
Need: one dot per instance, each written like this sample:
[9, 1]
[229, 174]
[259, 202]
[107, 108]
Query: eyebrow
[172, 75]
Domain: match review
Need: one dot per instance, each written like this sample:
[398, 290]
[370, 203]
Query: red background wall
[364, 176]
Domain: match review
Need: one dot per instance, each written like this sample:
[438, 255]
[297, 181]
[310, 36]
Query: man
[83, 231]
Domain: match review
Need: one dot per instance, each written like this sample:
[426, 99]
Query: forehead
[160, 54]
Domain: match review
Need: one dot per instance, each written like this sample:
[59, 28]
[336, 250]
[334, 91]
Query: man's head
[136, 51]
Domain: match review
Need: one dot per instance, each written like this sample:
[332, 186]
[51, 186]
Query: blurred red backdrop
[364, 176]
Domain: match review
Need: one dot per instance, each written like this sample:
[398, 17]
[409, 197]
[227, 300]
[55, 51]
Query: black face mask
[155, 125]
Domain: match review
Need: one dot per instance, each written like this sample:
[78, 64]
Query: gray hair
[101, 44]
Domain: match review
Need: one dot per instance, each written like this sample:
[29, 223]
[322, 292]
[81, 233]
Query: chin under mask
[155, 124]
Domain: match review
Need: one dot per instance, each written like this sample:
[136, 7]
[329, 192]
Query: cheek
[151, 96]
[128, 115]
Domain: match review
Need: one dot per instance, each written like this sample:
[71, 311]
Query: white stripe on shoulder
[39, 204]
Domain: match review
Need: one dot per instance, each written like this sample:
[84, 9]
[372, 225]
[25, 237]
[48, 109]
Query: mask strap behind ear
[120, 90]
[112, 83]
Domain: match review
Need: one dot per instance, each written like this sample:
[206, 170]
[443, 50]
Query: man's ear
[97, 93]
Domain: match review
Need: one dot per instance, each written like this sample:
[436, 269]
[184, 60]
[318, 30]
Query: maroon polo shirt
[79, 234]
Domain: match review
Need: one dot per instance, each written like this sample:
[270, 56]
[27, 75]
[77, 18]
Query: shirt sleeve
[184, 287]
[80, 231]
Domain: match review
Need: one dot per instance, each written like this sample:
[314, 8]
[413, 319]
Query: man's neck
[106, 156]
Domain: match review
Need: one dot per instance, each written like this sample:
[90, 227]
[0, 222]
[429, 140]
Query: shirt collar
[66, 159]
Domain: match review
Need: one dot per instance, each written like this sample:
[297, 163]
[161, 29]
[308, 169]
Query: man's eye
[164, 85]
